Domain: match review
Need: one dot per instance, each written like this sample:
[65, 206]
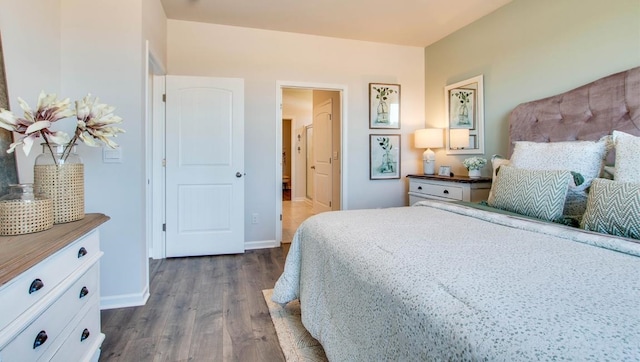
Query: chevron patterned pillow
[536, 193]
[613, 208]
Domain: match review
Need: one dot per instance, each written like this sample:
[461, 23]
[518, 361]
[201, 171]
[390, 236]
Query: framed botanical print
[384, 105]
[384, 156]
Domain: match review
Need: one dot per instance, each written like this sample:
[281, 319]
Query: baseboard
[260, 244]
[125, 300]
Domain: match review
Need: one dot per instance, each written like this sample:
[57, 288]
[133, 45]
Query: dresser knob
[82, 252]
[446, 192]
[40, 339]
[35, 286]
[419, 187]
[85, 335]
[83, 292]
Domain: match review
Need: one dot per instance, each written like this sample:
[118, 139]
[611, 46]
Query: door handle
[238, 174]
[313, 167]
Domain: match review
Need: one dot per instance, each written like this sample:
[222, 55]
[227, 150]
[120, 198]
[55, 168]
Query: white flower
[474, 163]
[94, 121]
[36, 124]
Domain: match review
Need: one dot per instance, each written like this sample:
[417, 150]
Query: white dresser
[50, 293]
[454, 188]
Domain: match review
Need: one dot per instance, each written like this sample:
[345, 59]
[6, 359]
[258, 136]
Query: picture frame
[444, 171]
[384, 106]
[384, 156]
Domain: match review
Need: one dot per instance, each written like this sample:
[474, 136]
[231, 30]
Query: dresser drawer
[452, 192]
[20, 293]
[82, 293]
[84, 338]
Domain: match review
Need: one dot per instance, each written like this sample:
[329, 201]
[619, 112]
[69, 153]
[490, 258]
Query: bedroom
[547, 46]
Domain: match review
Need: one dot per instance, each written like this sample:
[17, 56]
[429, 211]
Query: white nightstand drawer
[51, 323]
[445, 191]
[16, 296]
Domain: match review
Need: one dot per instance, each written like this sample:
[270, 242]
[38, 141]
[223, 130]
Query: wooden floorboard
[206, 308]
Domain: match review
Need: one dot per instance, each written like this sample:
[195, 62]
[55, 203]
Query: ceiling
[403, 22]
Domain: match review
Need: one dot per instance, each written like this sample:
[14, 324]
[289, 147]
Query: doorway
[303, 107]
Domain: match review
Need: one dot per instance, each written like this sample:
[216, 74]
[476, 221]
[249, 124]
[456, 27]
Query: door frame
[154, 149]
[343, 90]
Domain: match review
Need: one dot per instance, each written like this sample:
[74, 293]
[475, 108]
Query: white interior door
[204, 166]
[322, 178]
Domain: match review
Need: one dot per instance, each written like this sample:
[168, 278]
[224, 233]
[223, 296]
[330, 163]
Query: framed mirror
[464, 110]
[8, 168]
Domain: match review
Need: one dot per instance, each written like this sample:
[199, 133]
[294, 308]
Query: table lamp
[428, 138]
[458, 138]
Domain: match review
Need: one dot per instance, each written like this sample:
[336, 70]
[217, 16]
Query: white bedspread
[446, 282]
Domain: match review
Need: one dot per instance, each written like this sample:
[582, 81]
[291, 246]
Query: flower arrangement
[95, 121]
[474, 163]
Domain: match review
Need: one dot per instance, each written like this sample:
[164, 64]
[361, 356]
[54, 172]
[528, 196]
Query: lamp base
[429, 162]
[429, 167]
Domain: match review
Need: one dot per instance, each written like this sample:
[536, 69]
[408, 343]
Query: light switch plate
[110, 155]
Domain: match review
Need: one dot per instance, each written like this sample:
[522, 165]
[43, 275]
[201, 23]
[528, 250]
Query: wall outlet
[254, 218]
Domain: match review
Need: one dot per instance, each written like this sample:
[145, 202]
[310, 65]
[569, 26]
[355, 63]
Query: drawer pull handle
[40, 339]
[83, 292]
[35, 286]
[82, 252]
[446, 192]
[419, 187]
[85, 335]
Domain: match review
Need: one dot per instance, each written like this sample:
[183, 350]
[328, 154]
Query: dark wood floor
[201, 309]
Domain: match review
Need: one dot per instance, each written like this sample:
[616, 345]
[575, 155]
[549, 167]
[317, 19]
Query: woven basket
[23, 217]
[64, 184]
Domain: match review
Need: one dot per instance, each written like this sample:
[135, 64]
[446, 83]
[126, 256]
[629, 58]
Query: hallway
[293, 214]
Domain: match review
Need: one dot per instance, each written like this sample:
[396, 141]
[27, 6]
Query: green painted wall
[530, 49]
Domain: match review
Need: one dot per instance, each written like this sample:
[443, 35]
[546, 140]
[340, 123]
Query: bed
[460, 281]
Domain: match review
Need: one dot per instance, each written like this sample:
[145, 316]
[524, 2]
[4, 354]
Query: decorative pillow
[496, 162]
[539, 194]
[627, 157]
[613, 208]
[584, 157]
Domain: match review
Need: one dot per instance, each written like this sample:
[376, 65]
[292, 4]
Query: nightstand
[454, 188]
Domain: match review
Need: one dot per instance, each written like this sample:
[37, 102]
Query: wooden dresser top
[21, 252]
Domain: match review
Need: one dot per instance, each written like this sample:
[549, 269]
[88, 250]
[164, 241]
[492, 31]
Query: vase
[474, 173]
[383, 112]
[58, 173]
[22, 211]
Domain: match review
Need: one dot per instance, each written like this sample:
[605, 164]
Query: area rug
[296, 343]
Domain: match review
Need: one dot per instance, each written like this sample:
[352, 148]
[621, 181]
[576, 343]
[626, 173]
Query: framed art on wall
[384, 105]
[384, 156]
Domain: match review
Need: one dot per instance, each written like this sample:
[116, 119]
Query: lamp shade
[428, 138]
[459, 138]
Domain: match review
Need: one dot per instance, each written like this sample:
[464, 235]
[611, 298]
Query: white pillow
[583, 157]
[627, 157]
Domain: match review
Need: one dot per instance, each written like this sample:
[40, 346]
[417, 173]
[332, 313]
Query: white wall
[75, 47]
[530, 49]
[31, 47]
[263, 57]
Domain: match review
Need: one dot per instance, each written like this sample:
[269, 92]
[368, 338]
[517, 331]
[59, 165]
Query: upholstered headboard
[585, 113]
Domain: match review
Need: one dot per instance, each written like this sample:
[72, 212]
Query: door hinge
[280, 217]
[164, 162]
[331, 117]
[329, 203]
[164, 227]
[164, 97]
[329, 160]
